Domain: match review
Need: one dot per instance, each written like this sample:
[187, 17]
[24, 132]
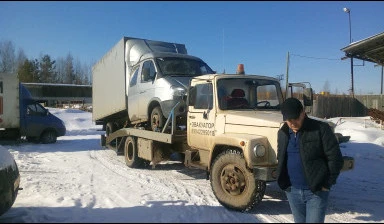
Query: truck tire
[233, 184]
[131, 153]
[49, 136]
[157, 119]
[110, 128]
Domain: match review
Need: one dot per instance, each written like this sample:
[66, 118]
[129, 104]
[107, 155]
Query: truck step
[197, 164]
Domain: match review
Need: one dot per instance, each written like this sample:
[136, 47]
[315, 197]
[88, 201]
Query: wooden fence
[342, 106]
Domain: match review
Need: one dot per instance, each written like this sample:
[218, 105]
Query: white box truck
[138, 82]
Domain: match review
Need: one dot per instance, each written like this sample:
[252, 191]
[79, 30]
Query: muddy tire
[157, 119]
[233, 184]
[110, 128]
[131, 153]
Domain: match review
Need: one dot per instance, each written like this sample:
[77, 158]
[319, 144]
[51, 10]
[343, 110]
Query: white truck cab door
[146, 88]
[201, 118]
[133, 101]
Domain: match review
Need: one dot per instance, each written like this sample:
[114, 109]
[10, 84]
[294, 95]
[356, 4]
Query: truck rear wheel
[233, 184]
[157, 119]
[131, 153]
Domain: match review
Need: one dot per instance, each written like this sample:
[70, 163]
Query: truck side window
[148, 72]
[35, 109]
[204, 96]
[134, 78]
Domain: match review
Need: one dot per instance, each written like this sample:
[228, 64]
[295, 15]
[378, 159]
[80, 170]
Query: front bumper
[265, 173]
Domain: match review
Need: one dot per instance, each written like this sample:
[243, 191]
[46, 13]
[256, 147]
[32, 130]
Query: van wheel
[233, 184]
[131, 153]
[157, 119]
[48, 137]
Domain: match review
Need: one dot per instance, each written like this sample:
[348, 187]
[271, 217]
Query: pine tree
[47, 69]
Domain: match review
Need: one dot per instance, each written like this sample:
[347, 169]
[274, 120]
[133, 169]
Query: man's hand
[324, 189]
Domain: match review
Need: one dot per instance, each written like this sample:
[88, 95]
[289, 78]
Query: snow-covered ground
[76, 180]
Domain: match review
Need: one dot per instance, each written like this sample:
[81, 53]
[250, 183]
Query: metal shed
[370, 49]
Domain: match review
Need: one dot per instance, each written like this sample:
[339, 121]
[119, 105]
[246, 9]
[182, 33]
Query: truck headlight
[259, 150]
[178, 91]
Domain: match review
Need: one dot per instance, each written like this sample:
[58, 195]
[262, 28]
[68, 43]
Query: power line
[331, 59]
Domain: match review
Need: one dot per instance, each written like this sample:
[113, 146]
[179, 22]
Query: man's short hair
[291, 108]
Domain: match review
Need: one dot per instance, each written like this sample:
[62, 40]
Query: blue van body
[36, 122]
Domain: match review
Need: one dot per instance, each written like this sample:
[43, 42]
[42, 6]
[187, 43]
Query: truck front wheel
[48, 137]
[157, 119]
[131, 153]
[233, 184]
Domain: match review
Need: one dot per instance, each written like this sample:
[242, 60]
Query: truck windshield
[182, 67]
[261, 94]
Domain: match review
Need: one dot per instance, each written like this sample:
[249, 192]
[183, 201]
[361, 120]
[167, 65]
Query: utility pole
[347, 10]
[286, 77]
[381, 86]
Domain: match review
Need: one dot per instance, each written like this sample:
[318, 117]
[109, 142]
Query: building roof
[369, 49]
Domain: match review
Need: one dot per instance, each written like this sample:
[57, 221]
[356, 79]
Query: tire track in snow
[169, 184]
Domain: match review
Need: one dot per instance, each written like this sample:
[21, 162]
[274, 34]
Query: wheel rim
[233, 180]
[155, 121]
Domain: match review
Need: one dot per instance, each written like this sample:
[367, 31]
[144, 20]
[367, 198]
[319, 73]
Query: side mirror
[308, 97]
[191, 96]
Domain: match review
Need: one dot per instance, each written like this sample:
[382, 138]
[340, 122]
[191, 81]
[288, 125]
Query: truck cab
[158, 82]
[233, 122]
[36, 122]
[232, 126]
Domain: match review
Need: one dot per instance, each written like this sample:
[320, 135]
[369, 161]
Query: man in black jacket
[309, 162]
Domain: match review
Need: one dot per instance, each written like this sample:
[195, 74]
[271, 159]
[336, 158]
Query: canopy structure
[370, 49]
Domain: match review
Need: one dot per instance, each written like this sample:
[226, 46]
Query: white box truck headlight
[259, 150]
[177, 91]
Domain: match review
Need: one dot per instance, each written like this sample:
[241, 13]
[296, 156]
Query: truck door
[133, 101]
[201, 118]
[35, 119]
[146, 88]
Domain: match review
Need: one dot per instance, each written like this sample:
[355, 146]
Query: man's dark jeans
[307, 207]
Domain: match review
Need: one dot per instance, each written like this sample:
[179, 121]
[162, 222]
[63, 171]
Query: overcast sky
[224, 34]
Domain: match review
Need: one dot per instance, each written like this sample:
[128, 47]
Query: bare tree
[78, 72]
[60, 70]
[21, 57]
[7, 57]
[69, 72]
[327, 86]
